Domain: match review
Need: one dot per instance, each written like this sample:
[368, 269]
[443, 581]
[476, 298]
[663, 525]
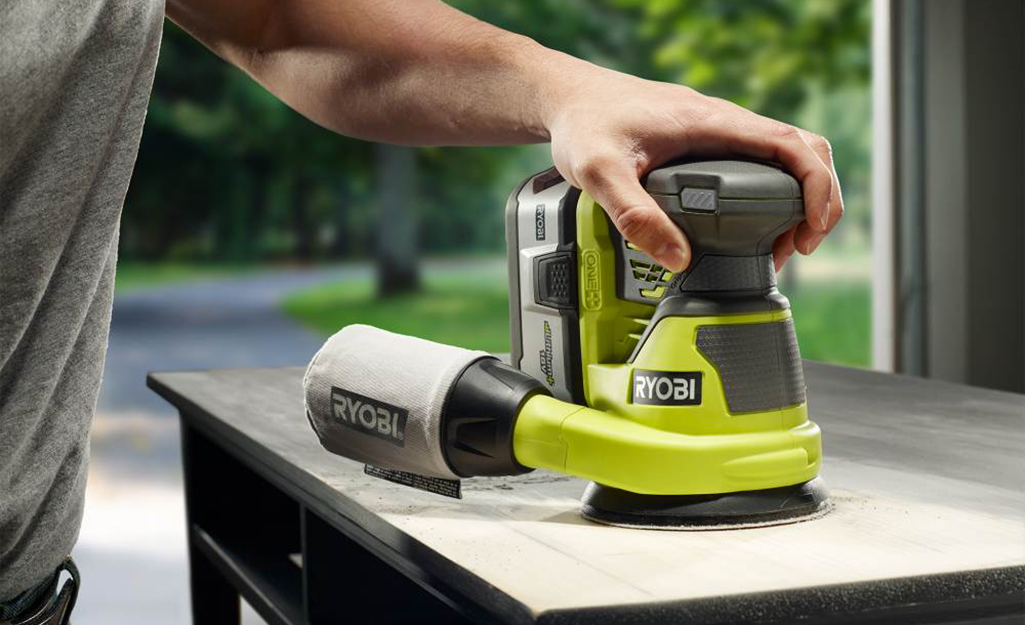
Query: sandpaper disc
[755, 508]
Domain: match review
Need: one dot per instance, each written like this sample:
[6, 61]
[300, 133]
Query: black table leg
[214, 600]
[249, 538]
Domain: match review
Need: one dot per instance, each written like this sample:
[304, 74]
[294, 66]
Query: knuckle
[593, 170]
[787, 132]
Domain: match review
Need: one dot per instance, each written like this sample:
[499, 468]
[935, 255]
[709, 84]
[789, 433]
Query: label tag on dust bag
[436, 485]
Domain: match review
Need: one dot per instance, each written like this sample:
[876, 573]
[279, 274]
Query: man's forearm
[410, 72]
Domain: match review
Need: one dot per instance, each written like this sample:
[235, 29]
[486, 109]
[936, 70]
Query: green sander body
[681, 396]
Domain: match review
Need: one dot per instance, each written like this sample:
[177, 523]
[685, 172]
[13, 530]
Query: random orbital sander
[680, 396]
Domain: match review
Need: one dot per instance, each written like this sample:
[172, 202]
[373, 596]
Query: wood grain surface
[926, 477]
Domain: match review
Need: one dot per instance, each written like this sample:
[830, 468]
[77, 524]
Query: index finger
[615, 185]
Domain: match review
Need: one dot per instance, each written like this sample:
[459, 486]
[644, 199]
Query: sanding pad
[746, 509]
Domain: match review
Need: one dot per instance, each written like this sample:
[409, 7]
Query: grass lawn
[465, 310]
[137, 276]
[832, 318]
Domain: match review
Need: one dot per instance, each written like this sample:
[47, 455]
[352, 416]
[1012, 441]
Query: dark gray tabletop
[927, 478]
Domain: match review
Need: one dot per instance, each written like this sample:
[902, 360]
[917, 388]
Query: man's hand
[609, 129]
[420, 72]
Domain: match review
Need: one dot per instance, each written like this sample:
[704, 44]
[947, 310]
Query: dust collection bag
[377, 397]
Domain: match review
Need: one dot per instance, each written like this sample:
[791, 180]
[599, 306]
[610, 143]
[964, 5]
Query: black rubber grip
[759, 364]
[479, 417]
[730, 273]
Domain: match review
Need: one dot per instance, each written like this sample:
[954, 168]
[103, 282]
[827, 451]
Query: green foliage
[766, 55]
[227, 172]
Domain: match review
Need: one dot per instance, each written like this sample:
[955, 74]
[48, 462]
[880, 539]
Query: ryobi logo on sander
[667, 388]
[369, 416]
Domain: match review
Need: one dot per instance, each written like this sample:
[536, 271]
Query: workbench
[928, 525]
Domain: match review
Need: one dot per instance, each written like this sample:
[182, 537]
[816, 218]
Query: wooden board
[927, 481]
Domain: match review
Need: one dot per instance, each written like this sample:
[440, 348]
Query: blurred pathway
[132, 546]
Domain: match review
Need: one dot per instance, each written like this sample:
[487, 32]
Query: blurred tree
[397, 270]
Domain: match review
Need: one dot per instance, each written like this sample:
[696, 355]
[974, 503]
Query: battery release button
[556, 279]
